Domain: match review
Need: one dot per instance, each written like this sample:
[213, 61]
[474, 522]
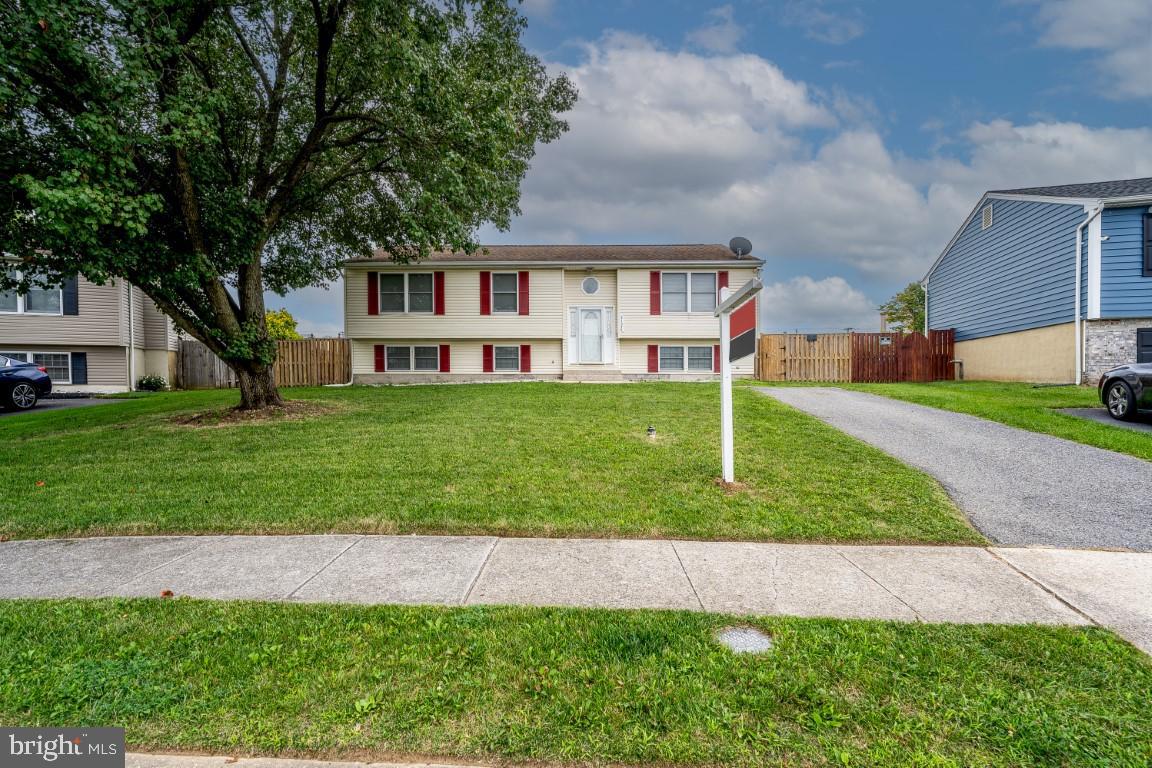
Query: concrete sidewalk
[909, 583]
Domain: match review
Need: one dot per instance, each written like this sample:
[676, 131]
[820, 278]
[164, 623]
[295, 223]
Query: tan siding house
[541, 312]
[89, 337]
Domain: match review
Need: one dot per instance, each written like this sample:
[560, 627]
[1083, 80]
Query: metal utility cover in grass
[744, 640]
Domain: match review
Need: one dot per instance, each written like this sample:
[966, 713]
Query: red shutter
[522, 290]
[653, 358]
[489, 365]
[438, 293]
[373, 293]
[525, 354]
[721, 282]
[653, 293]
[379, 355]
[485, 293]
[445, 358]
[716, 358]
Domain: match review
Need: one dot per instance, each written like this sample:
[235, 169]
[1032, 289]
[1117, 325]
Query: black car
[22, 384]
[1126, 390]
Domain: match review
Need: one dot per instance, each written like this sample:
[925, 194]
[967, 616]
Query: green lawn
[538, 459]
[572, 686]
[1022, 405]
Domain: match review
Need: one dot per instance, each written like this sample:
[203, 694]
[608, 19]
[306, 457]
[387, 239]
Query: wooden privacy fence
[312, 362]
[307, 362]
[861, 357]
[199, 368]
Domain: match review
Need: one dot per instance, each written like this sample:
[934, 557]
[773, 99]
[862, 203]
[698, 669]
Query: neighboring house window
[505, 296]
[506, 358]
[38, 301]
[412, 358]
[677, 358]
[688, 291]
[58, 365]
[406, 292]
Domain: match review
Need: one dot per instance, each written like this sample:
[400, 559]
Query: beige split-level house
[89, 337]
[508, 312]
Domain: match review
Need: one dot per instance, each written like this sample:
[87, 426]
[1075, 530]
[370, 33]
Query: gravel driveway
[1019, 488]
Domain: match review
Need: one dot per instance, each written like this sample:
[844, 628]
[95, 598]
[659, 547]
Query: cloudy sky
[847, 139]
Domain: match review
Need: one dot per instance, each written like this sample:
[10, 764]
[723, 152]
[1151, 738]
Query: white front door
[590, 335]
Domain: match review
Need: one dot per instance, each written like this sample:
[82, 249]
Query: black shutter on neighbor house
[79, 367]
[1148, 244]
[1144, 345]
[71, 296]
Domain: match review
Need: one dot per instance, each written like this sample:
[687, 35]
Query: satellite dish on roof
[741, 246]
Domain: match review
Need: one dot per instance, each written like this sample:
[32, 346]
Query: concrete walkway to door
[903, 583]
[1019, 488]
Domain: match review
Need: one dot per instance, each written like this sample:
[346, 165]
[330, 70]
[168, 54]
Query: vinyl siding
[574, 292]
[158, 331]
[1016, 275]
[637, 322]
[97, 323]
[462, 318]
[467, 355]
[1124, 291]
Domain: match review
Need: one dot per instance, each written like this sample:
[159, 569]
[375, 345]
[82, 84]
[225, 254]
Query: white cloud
[722, 35]
[537, 9]
[673, 146]
[805, 304]
[823, 24]
[1119, 30]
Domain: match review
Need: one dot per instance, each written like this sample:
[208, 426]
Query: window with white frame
[505, 292]
[406, 292]
[687, 291]
[685, 358]
[58, 365]
[412, 358]
[506, 358]
[40, 300]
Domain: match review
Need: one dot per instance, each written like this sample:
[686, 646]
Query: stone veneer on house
[1109, 343]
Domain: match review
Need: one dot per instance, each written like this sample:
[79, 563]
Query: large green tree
[208, 150]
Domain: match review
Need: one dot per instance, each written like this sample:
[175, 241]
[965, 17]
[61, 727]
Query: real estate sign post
[737, 313]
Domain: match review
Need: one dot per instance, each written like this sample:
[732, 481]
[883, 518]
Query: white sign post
[730, 301]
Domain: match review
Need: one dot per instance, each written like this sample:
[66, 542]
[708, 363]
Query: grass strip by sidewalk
[573, 686]
[505, 459]
[1027, 406]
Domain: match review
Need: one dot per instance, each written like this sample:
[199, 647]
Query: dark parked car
[22, 384]
[1126, 390]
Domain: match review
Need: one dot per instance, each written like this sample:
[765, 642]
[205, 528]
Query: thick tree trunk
[257, 388]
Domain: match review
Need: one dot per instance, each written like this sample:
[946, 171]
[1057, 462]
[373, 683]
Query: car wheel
[1120, 401]
[21, 397]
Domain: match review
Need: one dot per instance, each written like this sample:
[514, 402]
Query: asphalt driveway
[1018, 488]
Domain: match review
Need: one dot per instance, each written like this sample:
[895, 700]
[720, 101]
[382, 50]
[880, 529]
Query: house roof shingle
[579, 253]
[1096, 189]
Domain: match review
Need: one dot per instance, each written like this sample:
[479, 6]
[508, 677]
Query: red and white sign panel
[742, 331]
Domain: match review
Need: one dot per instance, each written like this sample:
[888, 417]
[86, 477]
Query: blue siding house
[1049, 284]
